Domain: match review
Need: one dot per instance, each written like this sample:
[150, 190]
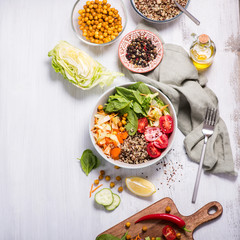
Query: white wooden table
[44, 126]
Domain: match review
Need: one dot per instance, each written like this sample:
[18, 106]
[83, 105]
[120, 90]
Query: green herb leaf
[132, 124]
[89, 161]
[141, 87]
[108, 237]
[116, 103]
[138, 109]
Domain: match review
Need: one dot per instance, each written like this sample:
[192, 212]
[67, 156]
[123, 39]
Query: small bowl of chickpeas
[99, 22]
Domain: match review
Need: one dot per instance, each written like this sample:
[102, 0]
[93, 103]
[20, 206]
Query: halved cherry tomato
[153, 152]
[161, 142]
[169, 233]
[142, 123]
[166, 124]
[152, 133]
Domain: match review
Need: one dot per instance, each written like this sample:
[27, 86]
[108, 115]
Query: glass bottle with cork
[202, 52]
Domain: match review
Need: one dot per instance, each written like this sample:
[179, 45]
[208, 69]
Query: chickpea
[125, 115]
[107, 178]
[144, 228]
[168, 209]
[118, 178]
[112, 184]
[122, 129]
[96, 181]
[127, 224]
[120, 189]
[116, 167]
[178, 235]
[128, 237]
[102, 172]
[124, 122]
[100, 177]
[100, 107]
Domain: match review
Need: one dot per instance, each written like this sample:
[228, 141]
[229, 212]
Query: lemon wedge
[140, 186]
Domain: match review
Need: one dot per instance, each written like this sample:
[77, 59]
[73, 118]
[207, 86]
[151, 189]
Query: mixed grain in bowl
[133, 125]
[158, 10]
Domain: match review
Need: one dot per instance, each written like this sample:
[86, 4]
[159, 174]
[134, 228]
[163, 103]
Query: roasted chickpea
[127, 224]
[107, 178]
[144, 228]
[118, 178]
[168, 209]
[96, 181]
[112, 184]
[120, 189]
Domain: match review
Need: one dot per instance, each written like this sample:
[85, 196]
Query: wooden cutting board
[209, 212]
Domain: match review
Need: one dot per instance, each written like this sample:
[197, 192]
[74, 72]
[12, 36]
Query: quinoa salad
[133, 126]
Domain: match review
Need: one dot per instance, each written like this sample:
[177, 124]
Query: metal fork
[207, 130]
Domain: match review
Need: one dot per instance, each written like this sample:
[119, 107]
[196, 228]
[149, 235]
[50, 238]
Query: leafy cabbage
[79, 68]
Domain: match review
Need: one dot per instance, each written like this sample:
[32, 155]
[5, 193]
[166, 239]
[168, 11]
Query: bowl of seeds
[133, 125]
[158, 11]
[140, 51]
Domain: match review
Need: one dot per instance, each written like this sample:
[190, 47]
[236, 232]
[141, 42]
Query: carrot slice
[115, 152]
[120, 139]
[124, 135]
[90, 194]
[96, 188]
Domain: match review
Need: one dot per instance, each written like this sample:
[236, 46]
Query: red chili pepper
[164, 216]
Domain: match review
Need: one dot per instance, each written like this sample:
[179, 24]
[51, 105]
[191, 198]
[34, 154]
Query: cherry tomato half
[161, 142]
[152, 133]
[166, 124]
[152, 151]
[169, 233]
[142, 123]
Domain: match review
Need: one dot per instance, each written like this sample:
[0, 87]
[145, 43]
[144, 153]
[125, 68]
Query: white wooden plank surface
[44, 126]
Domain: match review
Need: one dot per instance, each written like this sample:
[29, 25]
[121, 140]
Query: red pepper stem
[185, 229]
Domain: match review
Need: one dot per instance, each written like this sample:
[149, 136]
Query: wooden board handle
[205, 214]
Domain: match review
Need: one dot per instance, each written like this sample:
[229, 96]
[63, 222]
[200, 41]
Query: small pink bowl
[125, 42]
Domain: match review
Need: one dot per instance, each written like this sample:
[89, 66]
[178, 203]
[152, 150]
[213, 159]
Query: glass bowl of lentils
[158, 11]
[140, 51]
[133, 125]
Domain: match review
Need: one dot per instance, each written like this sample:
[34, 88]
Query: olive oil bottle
[202, 52]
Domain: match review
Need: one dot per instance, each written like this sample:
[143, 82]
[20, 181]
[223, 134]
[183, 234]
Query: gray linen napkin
[177, 78]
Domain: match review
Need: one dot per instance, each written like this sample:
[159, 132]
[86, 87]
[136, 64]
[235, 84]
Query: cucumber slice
[104, 197]
[115, 203]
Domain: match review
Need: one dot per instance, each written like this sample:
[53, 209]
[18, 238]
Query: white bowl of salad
[133, 125]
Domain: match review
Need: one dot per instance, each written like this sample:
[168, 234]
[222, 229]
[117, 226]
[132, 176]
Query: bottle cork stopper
[203, 38]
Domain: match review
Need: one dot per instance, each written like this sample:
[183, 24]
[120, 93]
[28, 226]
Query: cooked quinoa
[134, 150]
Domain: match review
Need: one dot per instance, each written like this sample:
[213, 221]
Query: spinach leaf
[107, 237]
[132, 124]
[138, 109]
[111, 237]
[88, 161]
[129, 94]
[141, 87]
[116, 103]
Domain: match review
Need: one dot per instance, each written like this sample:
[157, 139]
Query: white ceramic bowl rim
[104, 97]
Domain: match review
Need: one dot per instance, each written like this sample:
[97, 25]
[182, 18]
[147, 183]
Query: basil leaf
[88, 161]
